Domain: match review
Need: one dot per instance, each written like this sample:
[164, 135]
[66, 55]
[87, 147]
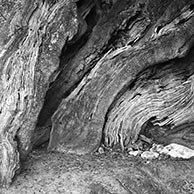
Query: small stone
[134, 153]
[149, 155]
[100, 150]
[156, 148]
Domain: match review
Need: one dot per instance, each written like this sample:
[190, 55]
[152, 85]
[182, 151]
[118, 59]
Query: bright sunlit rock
[177, 151]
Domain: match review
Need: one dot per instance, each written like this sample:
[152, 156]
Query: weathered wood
[80, 122]
[32, 36]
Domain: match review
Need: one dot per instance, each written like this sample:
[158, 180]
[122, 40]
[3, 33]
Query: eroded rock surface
[162, 95]
[32, 35]
[119, 74]
[108, 107]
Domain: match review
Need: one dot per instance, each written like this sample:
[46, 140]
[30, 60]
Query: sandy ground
[51, 173]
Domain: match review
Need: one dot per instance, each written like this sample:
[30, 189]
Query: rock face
[30, 47]
[118, 96]
[89, 73]
[164, 96]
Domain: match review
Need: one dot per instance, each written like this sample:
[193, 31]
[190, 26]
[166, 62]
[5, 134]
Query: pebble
[100, 150]
[174, 150]
[134, 153]
[149, 155]
[157, 148]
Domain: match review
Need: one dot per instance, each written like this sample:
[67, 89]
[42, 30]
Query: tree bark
[90, 73]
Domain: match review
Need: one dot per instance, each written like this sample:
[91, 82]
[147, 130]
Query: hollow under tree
[81, 74]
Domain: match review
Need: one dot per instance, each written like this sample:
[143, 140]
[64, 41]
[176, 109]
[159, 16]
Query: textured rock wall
[162, 95]
[103, 108]
[32, 35]
[86, 73]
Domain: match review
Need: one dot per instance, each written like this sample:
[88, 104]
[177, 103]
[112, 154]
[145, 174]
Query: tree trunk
[85, 74]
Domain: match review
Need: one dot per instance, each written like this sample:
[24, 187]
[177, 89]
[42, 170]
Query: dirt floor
[114, 173]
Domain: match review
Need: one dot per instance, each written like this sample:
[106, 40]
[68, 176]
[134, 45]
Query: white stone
[177, 151]
[149, 155]
[100, 150]
[157, 148]
[134, 153]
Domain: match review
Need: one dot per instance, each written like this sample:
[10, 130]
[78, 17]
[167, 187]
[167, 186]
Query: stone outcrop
[84, 74]
[106, 108]
[32, 35]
